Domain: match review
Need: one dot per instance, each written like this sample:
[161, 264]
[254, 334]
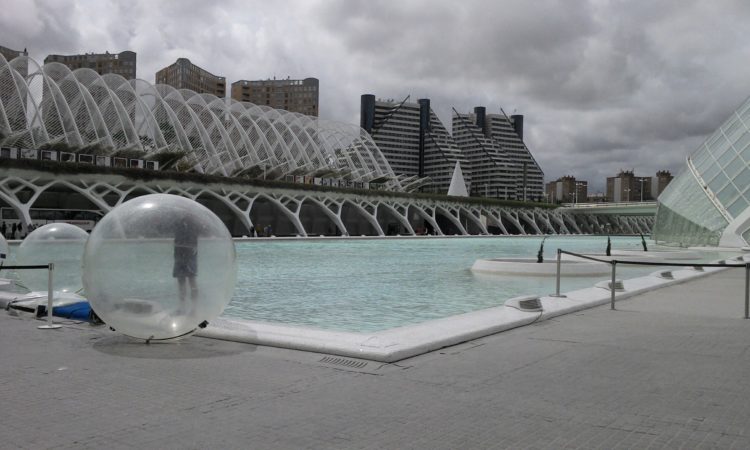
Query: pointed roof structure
[458, 185]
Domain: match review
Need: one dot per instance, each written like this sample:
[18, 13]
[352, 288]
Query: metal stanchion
[50, 325]
[613, 282]
[612, 286]
[557, 281]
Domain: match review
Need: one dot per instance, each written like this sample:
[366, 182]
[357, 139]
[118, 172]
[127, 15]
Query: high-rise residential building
[494, 160]
[292, 95]
[185, 75]
[567, 190]
[413, 140]
[123, 63]
[501, 165]
[660, 182]
[489, 164]
[10, 54]
[626, 187]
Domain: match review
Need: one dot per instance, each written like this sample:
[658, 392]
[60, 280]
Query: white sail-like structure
[51, 105]
[458, 185]
[708, 203]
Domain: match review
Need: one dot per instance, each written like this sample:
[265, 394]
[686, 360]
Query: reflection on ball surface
[4, 255]
[3, 249]
[57, 243]
[157, 266]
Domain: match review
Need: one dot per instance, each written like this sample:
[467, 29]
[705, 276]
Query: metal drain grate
[698, 268]
[531, 304]
[527, 303]
[618, 285]
[351, 363]
[667, 275]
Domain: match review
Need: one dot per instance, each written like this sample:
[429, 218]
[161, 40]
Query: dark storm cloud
[36, 25]
[604, 84]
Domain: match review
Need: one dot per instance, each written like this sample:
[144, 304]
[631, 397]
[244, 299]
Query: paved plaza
[668, 369]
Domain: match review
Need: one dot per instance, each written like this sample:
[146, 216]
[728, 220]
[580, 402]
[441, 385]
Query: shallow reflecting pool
[376, 284]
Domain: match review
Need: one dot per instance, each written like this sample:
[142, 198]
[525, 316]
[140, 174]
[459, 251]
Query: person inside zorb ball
[159, 266]
[186, 262]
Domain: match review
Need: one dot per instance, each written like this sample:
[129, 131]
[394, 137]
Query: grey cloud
[36, 26]
[604, 85]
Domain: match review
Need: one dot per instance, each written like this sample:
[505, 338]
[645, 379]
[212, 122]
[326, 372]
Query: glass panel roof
[686, 213]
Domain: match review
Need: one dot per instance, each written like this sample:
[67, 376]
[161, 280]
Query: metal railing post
[557, 279]
[50, 325]
[612, 286]
[613, 283]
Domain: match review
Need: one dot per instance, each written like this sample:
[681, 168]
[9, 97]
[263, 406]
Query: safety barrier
[51, 268]
[81, 158]
[614, 263]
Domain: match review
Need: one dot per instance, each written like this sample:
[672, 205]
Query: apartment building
[567, 190]
[10, 54]
[123, 63]
[291, 95]
[413, 140]
[185, 75]
[489, 147]
[500, 164]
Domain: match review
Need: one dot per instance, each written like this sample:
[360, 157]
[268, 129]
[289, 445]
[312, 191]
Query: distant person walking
[3, 228]
[13, 231]
[186, 262]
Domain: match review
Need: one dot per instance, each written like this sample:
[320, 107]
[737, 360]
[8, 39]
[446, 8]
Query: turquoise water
[367, 285]
[371, 285]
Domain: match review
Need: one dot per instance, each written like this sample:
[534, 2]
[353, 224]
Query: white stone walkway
[669, 369]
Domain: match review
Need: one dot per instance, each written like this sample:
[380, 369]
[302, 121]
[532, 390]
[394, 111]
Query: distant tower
[517, 120]
[367, 112]
[424, 128]
[481, 114]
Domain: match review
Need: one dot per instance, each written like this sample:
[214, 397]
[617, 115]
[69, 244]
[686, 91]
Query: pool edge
[400, 343]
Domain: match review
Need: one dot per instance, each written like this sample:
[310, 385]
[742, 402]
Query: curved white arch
[53, 104]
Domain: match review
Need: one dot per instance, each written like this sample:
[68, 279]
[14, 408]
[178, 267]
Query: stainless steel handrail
[615, 262]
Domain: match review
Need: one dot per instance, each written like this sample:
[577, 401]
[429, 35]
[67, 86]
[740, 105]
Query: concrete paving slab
[663, 371]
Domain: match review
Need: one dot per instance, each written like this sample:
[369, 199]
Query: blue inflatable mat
[78, 311]
[75, 311]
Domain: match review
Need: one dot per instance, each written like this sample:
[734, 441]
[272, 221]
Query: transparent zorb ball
[58, 243]
[159, 265]
[3, 250]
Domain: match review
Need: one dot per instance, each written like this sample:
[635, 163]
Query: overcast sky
[603, 85]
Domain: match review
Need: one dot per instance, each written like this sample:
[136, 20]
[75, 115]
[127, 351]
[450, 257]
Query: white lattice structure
[81, 109]
[245, 207]
[85, 111]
